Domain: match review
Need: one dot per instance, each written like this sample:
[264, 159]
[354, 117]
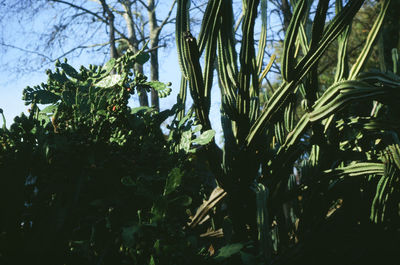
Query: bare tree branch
[89, 12]
[59, 57]
[110, 7]
[110, 20]
[25, 50]
[81, 47]
[144, 5]
[155, 48]
[165, 21]
[134, 44]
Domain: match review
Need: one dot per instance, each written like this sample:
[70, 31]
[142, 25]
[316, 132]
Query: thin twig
[59, 57]
[155, 48]
[25, 50]
[167, 17]
[91, 13]
[144, 5]
[81, 47]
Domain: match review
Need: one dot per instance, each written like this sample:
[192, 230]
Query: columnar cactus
[332, 141]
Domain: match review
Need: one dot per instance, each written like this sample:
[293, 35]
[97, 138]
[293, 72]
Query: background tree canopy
[308, 171]
[102, 27]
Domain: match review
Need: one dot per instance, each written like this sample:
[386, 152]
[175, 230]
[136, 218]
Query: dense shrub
[88, 180]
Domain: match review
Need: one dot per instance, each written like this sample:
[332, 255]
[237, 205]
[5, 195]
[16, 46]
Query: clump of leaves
[90, 180]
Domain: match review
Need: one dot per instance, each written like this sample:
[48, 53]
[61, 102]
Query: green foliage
[229, 250]
[183, 134]
[100, 182]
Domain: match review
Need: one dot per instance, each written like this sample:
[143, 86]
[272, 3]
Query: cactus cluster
[329, 143]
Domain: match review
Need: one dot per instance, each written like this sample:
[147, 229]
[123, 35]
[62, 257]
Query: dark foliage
[88, 180]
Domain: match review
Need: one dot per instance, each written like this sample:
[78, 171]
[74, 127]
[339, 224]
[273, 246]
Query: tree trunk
[134, 45]
[113, 49]
[110, 18]
[143, 99]
[154, 40]
[287, 14]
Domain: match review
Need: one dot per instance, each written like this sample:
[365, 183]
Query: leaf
[69, 70]
[109, 81]
[186, 140]
[197, 128]
[156, 247]
[60, 78]
[68, 98]
[183, 200]
[102, 112]
[43, 117]
[229, 250]
[162, 89]
[45, 97]
[108, 66]
[49, 109]
[141, 110]
[173, 180]
[128, 235]
[184, 119]
[152, 262]
[83, 104]
[141, 57]
[158, 210]
[205, 137]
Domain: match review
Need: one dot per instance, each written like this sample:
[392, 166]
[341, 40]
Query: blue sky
[11, 88]
[23, 30]
[12, 83]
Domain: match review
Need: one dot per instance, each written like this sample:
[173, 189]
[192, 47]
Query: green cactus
[271, 137]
